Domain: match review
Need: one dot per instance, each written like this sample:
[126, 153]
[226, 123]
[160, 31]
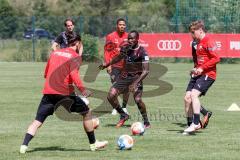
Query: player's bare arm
[113, 61]
[55, 46]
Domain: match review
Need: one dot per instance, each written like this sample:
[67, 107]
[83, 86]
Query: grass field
[20, 93]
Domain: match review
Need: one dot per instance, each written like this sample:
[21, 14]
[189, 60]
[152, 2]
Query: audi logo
[169, 45]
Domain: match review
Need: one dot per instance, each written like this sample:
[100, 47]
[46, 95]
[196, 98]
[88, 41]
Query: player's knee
[138, 100]
[194, 95]
[36, 124]
[187, 99]
[111, 95]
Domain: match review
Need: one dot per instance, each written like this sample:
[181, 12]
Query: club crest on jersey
[200, 47]
[129, 59]
[116, 41]
[146, 58]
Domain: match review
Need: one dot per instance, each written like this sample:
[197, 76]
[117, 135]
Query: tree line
[98, 17]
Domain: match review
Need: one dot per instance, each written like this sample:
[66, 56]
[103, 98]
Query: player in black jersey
[136, 68]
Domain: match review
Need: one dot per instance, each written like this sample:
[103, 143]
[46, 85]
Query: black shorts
[122, 84]
[200, 83]
[48, 105]
[115, 74]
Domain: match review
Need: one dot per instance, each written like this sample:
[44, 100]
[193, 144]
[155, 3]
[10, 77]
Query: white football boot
[98, 145]
[192, 128]
[23, 149]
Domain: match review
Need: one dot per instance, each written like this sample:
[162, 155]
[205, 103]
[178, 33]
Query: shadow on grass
[56, 148]
[182, 125]
[114, 125]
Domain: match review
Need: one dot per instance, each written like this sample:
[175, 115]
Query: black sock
[124, 105]
[203, 111]
[27, 139]
[189, 120]
[143, 113]
[91, 137]
[120, 110]
[196, 119]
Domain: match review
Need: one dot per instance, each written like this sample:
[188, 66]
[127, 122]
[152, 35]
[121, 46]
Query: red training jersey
[61, 72]
[207, 57]
[116, 39]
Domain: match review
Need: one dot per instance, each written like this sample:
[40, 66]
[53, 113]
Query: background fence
[220, 16]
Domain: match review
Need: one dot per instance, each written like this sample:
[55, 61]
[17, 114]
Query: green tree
[8, 20]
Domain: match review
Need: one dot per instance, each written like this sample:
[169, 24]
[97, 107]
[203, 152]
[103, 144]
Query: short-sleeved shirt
[61, 39]
[133, 60]
[194, 54]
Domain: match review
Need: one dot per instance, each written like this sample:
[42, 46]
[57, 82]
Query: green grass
[20, 93]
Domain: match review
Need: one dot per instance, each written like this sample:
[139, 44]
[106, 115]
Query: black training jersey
[133, 60]
[62, 39]
[194, 53]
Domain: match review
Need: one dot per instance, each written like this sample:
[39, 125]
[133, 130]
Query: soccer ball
[137, 128]
[125, 142]
[96, 122]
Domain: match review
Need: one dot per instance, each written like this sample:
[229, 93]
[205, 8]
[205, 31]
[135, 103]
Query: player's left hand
[133, 87]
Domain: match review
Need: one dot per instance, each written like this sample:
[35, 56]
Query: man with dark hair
[203, 74]
[61, 40]
[136, 68]
[116, 39]
[61, 73]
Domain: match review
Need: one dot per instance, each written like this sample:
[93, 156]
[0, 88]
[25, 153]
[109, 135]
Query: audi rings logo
[169, 45]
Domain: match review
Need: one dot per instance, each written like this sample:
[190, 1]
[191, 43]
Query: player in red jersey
[187, 99]
[61, 73]
[203, 74]
[115, 39]
[136, 68]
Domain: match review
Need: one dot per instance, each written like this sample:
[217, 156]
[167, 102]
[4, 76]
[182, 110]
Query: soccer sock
[203, 111]
[189, 120]
[124, 105]
[196, 119]
[120, 110]
[143, 113]
[27, 139]
[91, 137]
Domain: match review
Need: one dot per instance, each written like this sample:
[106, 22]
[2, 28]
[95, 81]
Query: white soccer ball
[137, 128]
[96, 122]
[125, 142]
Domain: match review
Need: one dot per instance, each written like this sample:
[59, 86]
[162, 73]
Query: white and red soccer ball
[137, 128]
[125, 142]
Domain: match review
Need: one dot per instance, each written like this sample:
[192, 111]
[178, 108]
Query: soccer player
[136, 68]
[203, 74]
[117, 38]
[61, 39]
[187, 99]
[61, 73]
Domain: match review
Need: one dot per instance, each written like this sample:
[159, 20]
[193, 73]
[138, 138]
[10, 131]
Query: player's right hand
[109, 69]
[102, 66]
[87, 93]
[193, 72]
